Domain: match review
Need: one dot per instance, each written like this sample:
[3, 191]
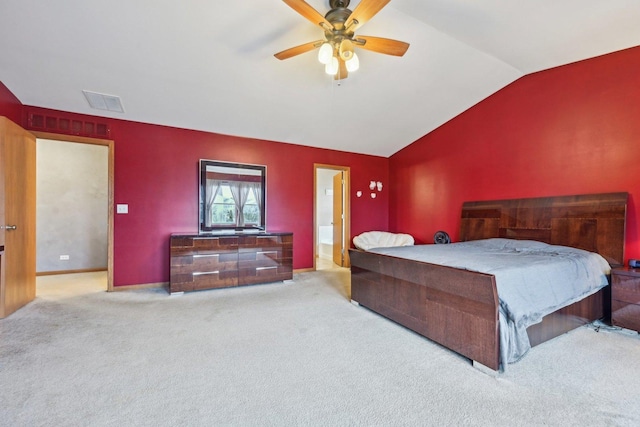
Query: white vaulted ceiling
[209, 65]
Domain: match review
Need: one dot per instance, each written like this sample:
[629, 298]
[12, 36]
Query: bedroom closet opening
[74, 200]
[331, 216]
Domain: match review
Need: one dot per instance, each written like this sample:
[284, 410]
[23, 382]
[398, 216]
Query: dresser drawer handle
[206, 238]
[206, 255]
[265, 268]
[266, 252]
[203, 273]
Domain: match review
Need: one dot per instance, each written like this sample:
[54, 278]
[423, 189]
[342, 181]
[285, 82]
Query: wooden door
[17, 216]
[338, 220]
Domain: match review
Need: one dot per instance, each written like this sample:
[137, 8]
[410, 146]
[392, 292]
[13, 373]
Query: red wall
[156, 173]
[10, 106]
[574, 129]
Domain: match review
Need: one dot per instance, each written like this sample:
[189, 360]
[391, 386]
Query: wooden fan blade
[306, 10]
[365, 10]
[382, 45]
[303, 48]
[342, 70]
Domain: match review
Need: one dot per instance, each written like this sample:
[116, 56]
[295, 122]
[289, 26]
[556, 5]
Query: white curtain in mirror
[212, 190]
[240, 193]
[256, 189]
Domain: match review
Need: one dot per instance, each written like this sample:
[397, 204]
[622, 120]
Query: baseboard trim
[166, 284]
[131, 287]
[141, 286]
[82, 270]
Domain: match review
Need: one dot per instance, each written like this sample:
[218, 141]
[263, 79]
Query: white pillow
[381, 239]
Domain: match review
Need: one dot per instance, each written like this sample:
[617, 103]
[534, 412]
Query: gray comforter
[533, 279]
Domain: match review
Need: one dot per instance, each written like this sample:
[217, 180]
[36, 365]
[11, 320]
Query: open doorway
[89, 229]
[331, 216]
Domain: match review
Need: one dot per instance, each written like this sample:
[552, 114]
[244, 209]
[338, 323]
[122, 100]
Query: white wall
[324, 209]
[324, 201]
[71, 205]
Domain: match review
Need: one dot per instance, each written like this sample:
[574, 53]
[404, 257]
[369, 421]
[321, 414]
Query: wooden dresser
[223, 260]
[625, 297]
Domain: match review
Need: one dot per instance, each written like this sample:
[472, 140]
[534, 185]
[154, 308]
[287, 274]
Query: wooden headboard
[593, 222]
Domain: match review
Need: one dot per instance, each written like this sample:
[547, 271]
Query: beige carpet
[283, 354]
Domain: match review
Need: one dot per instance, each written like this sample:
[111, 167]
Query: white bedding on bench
[379, 239]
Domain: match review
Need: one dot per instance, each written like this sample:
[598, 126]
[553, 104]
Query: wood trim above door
[111, 156]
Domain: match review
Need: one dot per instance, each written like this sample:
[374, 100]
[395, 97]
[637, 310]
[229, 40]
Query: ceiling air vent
[100, 101]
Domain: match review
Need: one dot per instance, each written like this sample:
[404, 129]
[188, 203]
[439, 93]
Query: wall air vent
[100, 101]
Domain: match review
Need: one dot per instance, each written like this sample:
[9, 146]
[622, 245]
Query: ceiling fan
[337, 50]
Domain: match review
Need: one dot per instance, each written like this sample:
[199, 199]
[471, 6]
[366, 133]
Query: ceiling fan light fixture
[332, 67]
[325, 53]
[336, 51]
[353, 64]
[346, 49]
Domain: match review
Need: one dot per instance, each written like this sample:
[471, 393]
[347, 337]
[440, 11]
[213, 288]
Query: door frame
[110, 177]
[346, 238]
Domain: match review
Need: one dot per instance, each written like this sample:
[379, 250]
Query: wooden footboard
[453, 307]
[570, 317]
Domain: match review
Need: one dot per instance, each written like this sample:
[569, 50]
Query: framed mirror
[232, 196]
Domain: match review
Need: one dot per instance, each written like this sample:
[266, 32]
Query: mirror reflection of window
[236, 204]
[232, 195]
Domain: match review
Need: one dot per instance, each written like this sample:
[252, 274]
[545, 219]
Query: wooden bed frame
[459, 308]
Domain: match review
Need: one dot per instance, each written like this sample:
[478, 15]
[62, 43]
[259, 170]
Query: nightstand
[625, 297]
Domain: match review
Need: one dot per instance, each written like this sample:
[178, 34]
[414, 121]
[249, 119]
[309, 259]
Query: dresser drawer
[625, 314]
[625, 288]
[193, 281]
[265, 241]
[219, 279]
[625, 298]
[248, 276]
[261, 258]
[203, 245]
[205, 262]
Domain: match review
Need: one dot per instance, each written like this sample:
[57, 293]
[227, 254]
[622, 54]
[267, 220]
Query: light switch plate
[122, 209]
